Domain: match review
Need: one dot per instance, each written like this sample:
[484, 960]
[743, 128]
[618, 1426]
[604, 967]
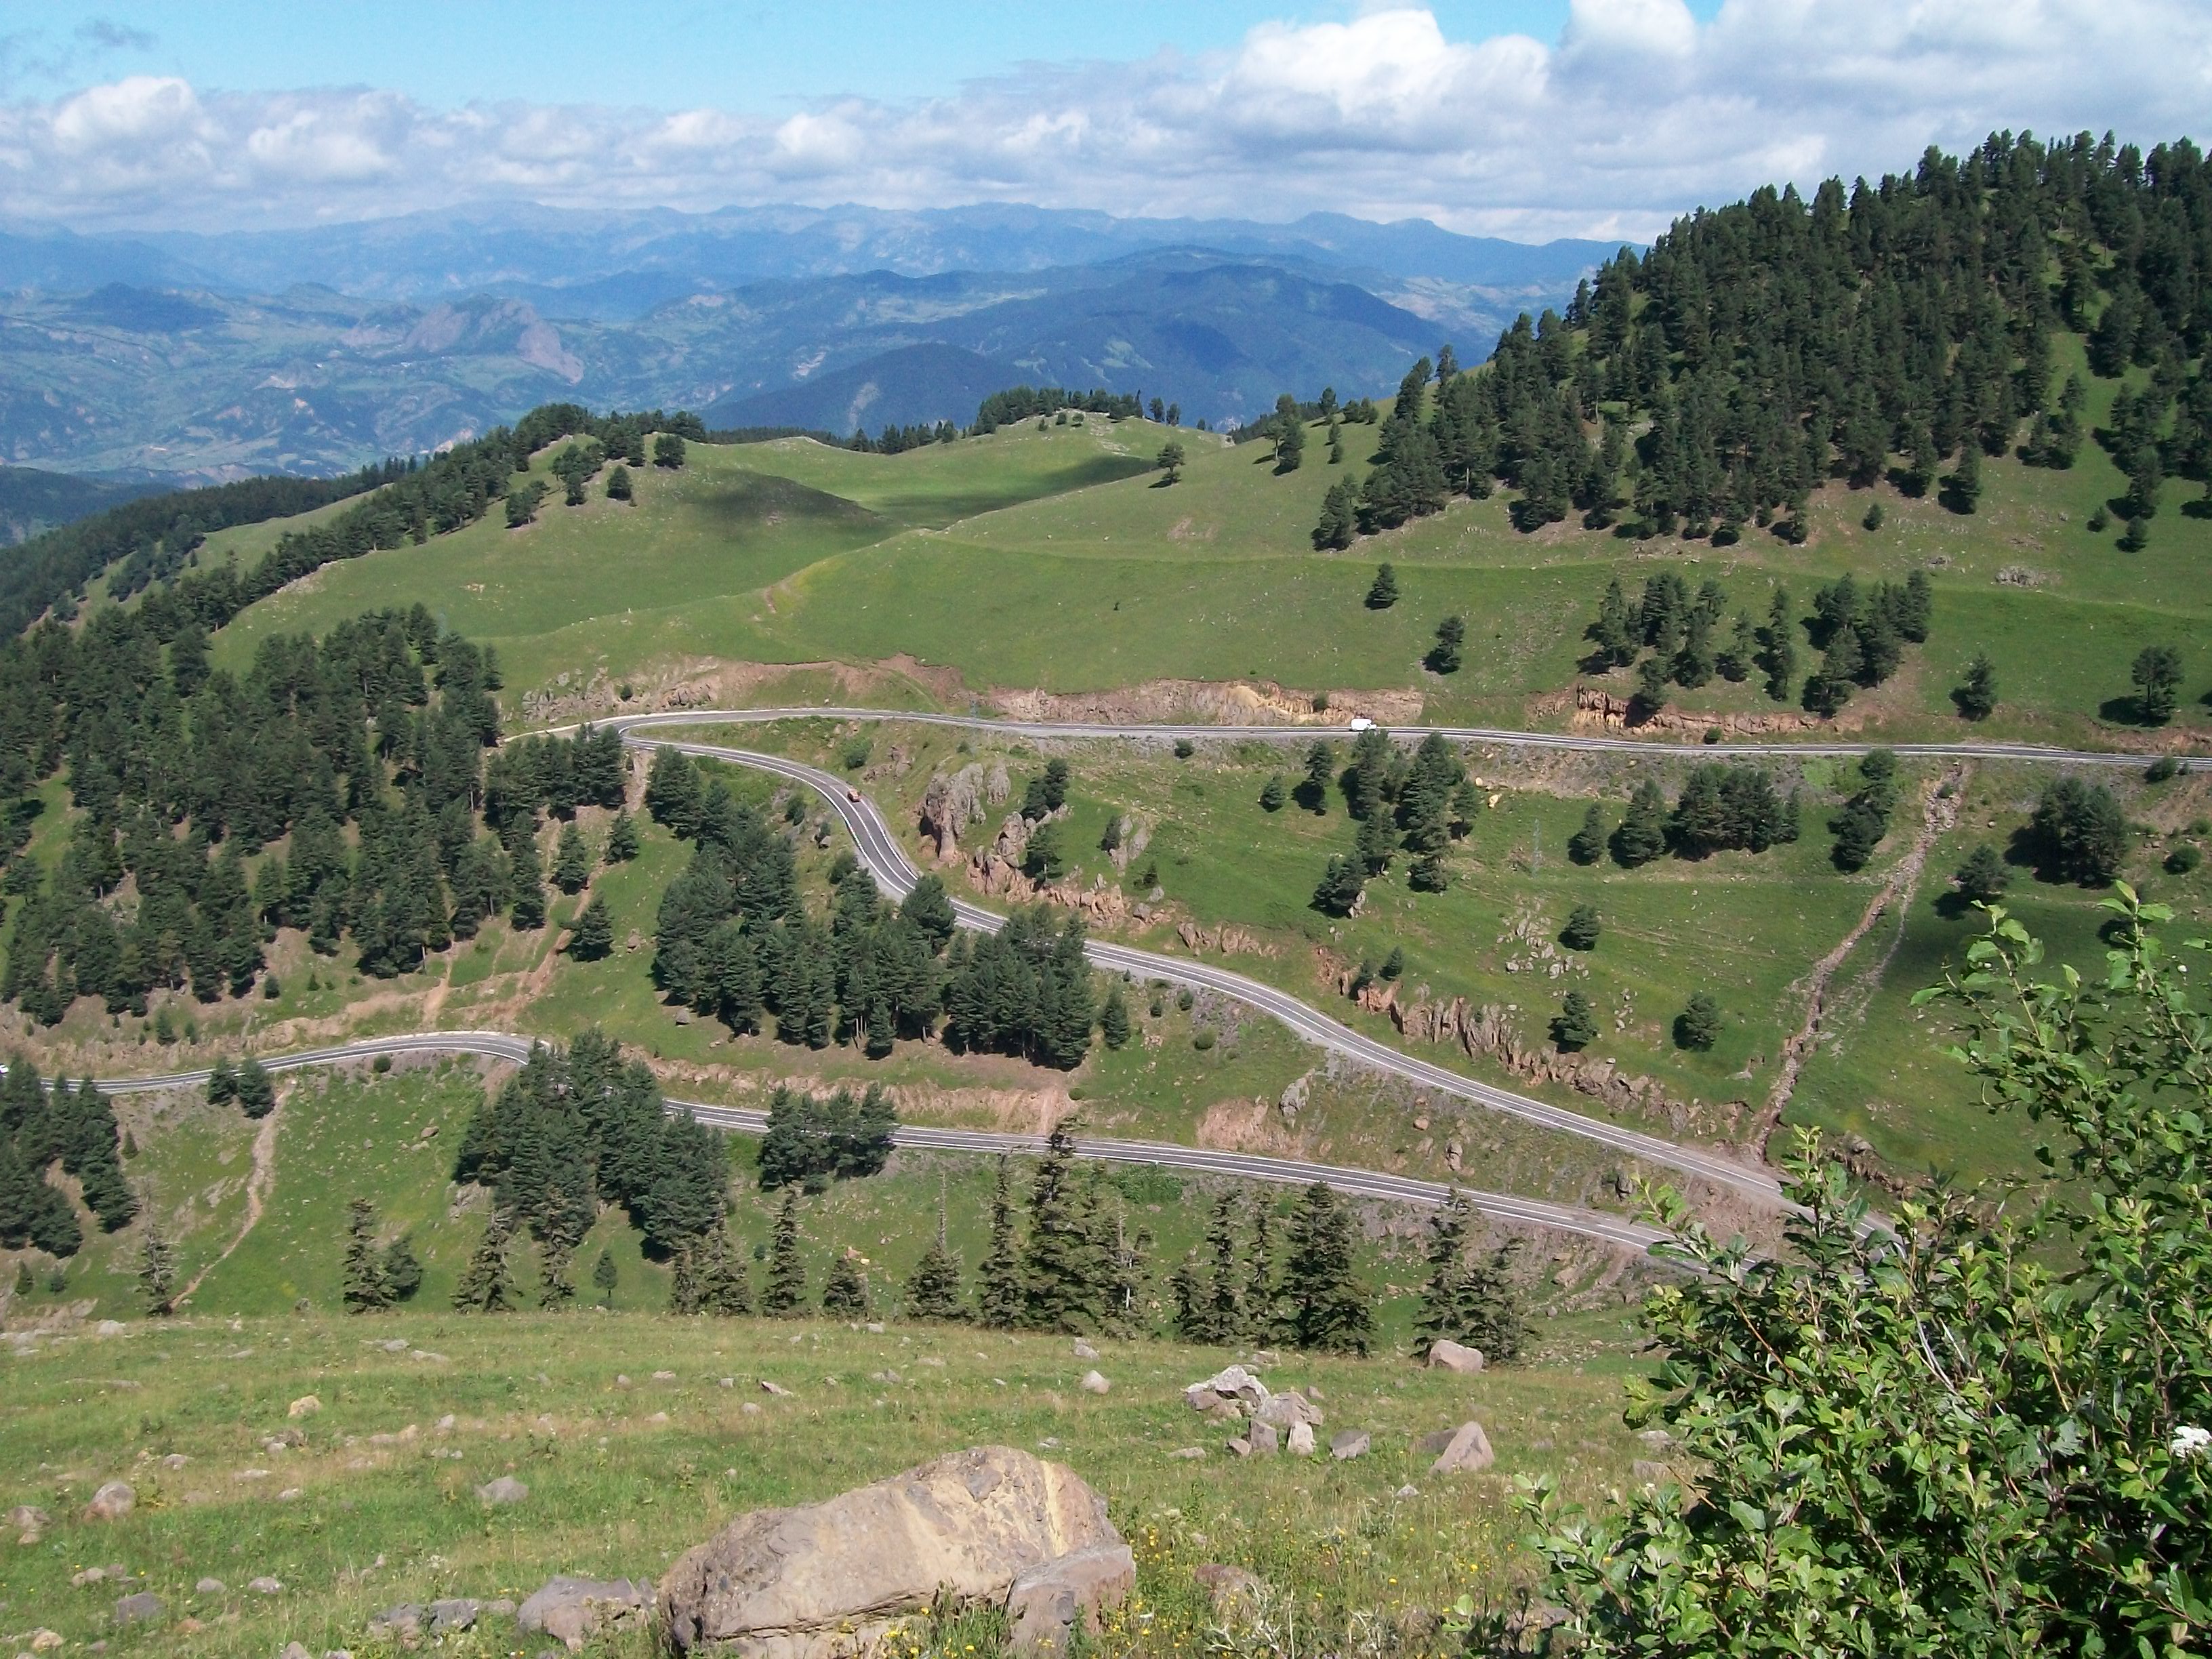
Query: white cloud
[1637, 113]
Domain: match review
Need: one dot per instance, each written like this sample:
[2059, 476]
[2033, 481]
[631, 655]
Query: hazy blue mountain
[316, 351]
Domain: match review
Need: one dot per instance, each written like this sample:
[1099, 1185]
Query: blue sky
[1527, 119]
[673, 55]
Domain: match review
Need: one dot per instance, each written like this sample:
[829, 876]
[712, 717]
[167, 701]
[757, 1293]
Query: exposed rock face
[1597, 709]
[1449, 1356]
[802, 1583]
[950, 805]
[1228, 938]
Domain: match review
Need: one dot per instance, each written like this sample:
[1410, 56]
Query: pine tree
[1442, 1298]
[1587, 844]
[845, 1296]
[593, 938]
[157, 1266]
[1113, 1019]
[402, 1269]
[1443, 656]
[1063, 1282]
[786, 1292]
[257, 1094]
[222, 1084]
[1983, 878]
[622, 839]
[556, 1288]
[1493, 1309]
[365, 1288]
[1261, 1294]
[1193, 1303]
[1225, 1320]
[487, 1282]
[998, 1299]
[1273, 795]
[685, 1292]
[1382, 593]
[1582, 929]
[1779, 648]
[1130, 1270]
[934, 1292]
[1698, 1025]
[1320, 769]
[1977, 697]
[1642, 834]
[572, 860]
[725, 1288]
[1326, 1305]
[604, 1271]
[1574, 1026]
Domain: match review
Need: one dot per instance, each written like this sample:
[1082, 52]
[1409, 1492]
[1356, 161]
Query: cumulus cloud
[1637, 112]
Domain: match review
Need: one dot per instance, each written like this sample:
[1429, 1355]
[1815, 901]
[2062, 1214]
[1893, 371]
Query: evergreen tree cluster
[1025, 990]
[1724, 806]
[1758, 350]
[74, 1128]
[1863, 819]
[812, 1140]
[1862, 635]
[375, 1276]
[182, 776]
[2078, 833]
[148, 540]
[732, 938]
[1471, 1297]
[897, 439]
[576, 1129]
[1305, 1292]
[1025, 403]
[1417, 804]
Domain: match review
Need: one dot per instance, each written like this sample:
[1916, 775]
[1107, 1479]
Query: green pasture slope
[1056, 559]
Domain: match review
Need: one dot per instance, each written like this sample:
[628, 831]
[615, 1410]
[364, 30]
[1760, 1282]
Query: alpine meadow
[952, 928]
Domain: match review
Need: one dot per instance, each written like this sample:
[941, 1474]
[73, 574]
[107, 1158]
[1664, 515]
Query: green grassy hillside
[1052, 559]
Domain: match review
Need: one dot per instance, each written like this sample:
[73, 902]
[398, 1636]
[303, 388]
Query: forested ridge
[1904, 329]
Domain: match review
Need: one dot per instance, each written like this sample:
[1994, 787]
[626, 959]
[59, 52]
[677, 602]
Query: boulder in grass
[1265, 1439]
[1301, 1442]
[1045, 1603]
[1286, 1408]
[574, 1610]
[505, 1490]
[138, 1609]
[1094, 1382]
[1350, 1443]
[1231, 1589]
[1468, 1452]
[834, 1576]
[1454, 1357]
[112, 1502]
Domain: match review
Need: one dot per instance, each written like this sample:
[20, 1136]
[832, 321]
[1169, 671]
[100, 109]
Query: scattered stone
[305, 1405]
[1645, 1473]
[110, 1328]
[402, 1623]
[135, 1609]
[775, 1389]
[1657, 1439]
[621, 1380]
[1046, 1602]
[1468, 1452]
[1454, 1357]
[875, 1328]
[657, 1417]
[1084, 1350]
[1234, 1383]
[289, 1495]
[1301, 1440]
[751, 1408]
[445, 1425]
[1265, 1439]
[265, 1585]
[456, 1613]
[573, 1610]
[251, 1474]
[1348, 1444]
[210, 1587]
[1093, 1382]
[46, 1641]
[664, 1377]
[725, 1381]
[112, 1502]
[28, 1521]
[1201, 1399]
[798, 1581]
[1230, 1589]
[1239, 1447]
[175, 1461]
[505, 1490]
[295, 1651]
[87, 1576]
[1187, 1453]
[396, 1345]
[1404, 1492]
[1287, 1409]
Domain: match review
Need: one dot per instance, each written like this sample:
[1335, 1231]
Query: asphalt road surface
[1615, 1230]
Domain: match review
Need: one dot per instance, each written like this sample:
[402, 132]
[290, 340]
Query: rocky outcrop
[1210, 702]
[1597, 709]
[950, 805]
[830, 1578]
[1228, 938]
[1487, 1031]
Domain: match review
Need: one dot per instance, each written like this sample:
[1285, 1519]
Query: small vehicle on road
[1361, 723]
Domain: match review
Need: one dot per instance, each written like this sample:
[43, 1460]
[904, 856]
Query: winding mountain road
[880, 851]
[1615, 1230]
[1076, 731]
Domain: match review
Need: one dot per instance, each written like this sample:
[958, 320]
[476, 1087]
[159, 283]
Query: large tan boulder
[830, 1578]
[1444, 1355]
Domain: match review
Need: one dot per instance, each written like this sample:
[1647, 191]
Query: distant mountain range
[209, 356]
